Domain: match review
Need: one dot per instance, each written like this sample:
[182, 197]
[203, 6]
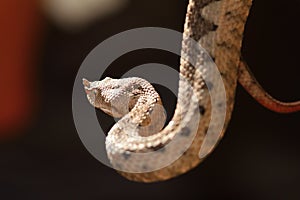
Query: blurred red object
[19, 28]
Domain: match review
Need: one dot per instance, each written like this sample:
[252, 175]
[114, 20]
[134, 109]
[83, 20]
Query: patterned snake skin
[218, 25]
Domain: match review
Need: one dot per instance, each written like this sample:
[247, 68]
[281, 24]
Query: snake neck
[147, 115]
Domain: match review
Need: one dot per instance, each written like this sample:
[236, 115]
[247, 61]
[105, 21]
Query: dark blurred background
[41, 155]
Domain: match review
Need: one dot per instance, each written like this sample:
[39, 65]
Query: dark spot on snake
[209, 85]
[185, 132]
[228, 13]
[201, 109]
[184, 152]
[220, 104]
[215, 27]
[223, 74]
[126, 155]
[205, 131]
[145, 167]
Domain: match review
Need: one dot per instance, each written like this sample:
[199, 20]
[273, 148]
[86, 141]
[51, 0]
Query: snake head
[107, 95]
[116, 97]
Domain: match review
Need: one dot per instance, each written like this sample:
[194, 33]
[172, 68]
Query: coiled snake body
[218, 25]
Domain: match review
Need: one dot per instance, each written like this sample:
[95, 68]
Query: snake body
[218, 25]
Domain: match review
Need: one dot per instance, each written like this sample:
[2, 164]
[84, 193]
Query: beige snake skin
[218, 25]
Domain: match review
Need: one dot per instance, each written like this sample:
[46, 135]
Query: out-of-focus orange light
[19, 29]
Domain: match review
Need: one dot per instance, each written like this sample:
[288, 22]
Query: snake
[218, 26]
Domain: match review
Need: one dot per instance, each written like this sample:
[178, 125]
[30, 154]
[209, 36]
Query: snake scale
[218, 25]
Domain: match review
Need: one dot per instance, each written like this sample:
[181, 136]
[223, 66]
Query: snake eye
[114, 87]
[95, 92]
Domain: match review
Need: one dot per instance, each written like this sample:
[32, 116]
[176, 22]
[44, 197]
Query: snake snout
[86, 83]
